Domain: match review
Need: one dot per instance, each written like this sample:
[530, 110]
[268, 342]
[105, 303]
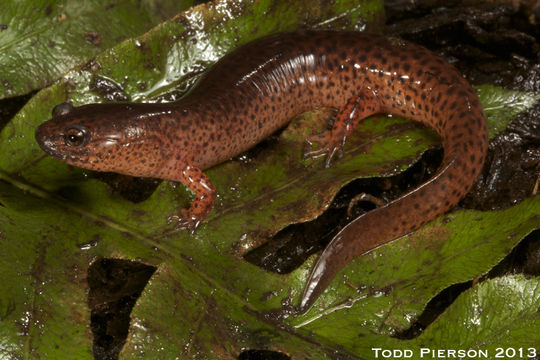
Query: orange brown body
[256, 90]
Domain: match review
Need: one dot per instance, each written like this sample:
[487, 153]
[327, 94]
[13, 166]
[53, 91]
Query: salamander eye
[75, 136]
[62, 109]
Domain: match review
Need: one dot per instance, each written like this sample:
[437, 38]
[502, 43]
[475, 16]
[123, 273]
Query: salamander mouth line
[75, 158]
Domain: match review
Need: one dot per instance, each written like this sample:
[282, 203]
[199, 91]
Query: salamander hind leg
[205, 194]
[331, 142]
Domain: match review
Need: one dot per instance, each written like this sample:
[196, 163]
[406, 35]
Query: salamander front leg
[205, 194]
[331, 142]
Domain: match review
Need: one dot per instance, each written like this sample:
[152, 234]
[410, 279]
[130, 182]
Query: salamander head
[102, 137]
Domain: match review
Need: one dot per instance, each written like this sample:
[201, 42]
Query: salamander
[257, 89]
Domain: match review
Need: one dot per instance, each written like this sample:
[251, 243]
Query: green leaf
[393, 283]
[498, 313]
[494, 319]
[500, 106]
[41, 40]
[205, 300]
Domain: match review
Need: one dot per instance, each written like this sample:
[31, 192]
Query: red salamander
[256, 90]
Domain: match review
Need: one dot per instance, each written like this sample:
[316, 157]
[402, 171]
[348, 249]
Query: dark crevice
[131, 188]
[115, 285]
[10, 106]
[433, 309]
[262, 355]
[524, 259]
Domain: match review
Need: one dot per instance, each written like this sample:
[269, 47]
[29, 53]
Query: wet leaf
[383, 291]
[500, 106]
[504, 307]
[42, 40]
[204, 300]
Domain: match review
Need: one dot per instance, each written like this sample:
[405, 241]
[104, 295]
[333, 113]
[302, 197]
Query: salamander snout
[48, 140]
[44, 140]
